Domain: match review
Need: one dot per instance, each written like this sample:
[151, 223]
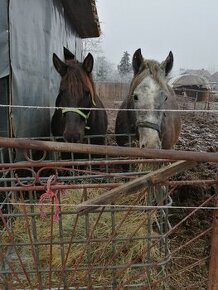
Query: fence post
[213, 265]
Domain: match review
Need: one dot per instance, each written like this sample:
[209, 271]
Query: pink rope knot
[49, 194]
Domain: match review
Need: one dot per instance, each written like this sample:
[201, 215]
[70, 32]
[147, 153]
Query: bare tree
[101, 68]
[92, 45]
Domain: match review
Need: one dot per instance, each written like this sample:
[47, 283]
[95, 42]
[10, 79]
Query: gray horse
[143, 110]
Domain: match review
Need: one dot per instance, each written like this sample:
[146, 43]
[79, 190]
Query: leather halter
[146, 124]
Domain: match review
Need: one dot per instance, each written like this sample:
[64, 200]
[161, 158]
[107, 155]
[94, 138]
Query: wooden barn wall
[112, 93]
[37, 29]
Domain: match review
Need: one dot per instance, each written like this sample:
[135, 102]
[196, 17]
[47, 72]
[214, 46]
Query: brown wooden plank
[84, 17]
[145, 181]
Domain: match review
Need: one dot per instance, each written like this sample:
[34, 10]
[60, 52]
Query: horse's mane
[76, 79]
[149, 67]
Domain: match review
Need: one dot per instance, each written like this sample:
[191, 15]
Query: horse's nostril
[143, 145]
[72, 138]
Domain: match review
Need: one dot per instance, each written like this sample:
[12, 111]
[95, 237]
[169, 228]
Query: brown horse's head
[76, 91]
[148, 93]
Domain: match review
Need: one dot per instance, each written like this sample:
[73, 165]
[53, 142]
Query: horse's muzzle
[73, 138]
[149, 138]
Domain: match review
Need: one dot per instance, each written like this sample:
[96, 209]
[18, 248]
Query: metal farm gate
[93, 224]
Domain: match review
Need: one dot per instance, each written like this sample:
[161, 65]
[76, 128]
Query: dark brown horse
[143, 111]
[78, 99]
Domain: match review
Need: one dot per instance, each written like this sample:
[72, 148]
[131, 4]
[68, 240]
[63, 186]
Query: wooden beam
[130, 187]
[84, 17]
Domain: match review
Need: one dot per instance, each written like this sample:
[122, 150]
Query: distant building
[214, 81]
[195, 86]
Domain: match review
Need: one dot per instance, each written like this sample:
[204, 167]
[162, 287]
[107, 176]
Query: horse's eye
[135, 97]
[166, 99]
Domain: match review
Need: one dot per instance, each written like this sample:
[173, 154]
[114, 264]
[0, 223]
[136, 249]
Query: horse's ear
[137, 60]
[60, 66]
[167, 64]
[68, 55]
[88, 63]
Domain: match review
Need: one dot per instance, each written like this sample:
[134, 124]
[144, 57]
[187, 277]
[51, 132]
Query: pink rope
[49, 194]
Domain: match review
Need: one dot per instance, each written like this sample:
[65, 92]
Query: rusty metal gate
[50, 245]
[89, 224]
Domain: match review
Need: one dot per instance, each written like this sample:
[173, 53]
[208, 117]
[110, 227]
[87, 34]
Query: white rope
[120, 206]
[112, 109]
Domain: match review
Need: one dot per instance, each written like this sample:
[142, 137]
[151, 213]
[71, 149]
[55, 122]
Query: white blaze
[146, 92]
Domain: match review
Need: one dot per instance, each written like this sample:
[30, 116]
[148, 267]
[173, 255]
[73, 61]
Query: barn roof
[190, 80]
[200, 72]
[84, 16]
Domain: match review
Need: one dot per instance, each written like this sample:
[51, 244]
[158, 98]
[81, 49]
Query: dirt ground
[199, 133]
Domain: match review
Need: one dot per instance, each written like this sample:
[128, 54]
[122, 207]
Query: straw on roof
[190, 80]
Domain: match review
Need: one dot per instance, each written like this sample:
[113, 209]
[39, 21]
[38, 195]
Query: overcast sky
[189, 28]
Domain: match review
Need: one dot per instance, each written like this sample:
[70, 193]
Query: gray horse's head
[149, 92]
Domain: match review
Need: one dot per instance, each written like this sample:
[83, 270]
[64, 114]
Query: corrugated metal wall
[4, 127]
[37, 29]
[4, 67]
[4, 49]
